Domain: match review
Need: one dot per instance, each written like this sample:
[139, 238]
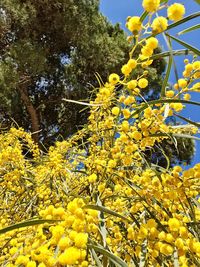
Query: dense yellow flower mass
[95, 199]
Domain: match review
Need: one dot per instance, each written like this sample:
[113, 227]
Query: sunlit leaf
[143, 254]
[167, 74]
[108, 254]
[25, 224]
[81, 103]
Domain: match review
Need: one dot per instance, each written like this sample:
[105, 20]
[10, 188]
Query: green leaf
[196, 202]
[94, 255]
[143, 254]
[188, 46]
[193, 28]
[108, 254]
[187, 120]
[108, 211]
[177, 23]
[179, 52]
[197, 1]
[166, 157]
[81, 103]
[169, 66]
[188, 18]
[143, 16]
[25, 224]
[175, 258]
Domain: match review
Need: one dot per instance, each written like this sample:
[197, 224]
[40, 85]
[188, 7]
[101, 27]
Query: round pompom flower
[182, 83]
[151, 5]
[113, 78]
[132, 63]
[174, 224]
[176, 11]
[126, 70]
[70, 256]
[134, 24]
[115, 111]
[143, 83]
[159, 24]
[146, 51]
[81, 240]
[152, 43]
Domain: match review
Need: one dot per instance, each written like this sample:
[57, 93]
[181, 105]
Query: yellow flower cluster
[95, 199]
[63, 243]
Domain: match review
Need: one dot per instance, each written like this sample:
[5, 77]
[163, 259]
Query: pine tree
[50, 50]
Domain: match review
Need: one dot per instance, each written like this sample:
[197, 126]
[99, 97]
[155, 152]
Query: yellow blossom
[174, 224]
[159, 24]
[151, 5]
[152, 42]
[176, 11]
[143, 83]
[113, 78]
[69, 256]
[115, 111]
[134, 24]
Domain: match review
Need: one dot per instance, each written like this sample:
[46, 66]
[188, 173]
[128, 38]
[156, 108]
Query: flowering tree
[94, 200]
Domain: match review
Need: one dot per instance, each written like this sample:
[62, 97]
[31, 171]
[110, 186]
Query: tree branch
[35, 125]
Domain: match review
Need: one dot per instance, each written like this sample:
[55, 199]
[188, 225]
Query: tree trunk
[35, 125]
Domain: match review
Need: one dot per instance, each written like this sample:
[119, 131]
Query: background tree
[51, 50]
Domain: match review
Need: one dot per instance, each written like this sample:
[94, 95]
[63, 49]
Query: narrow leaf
[94, 255]
[187, 136]
[81, 103]
[197, 1]
[165, 82]
[108, 254]
[108, 211]
[175, 258]
[179, 52]
[25, 224]
[188, 46]
[143, 16]
[193, 28]
[102, 226]
[196, 202]
[143, 254]
[177, 23]
[187, 120]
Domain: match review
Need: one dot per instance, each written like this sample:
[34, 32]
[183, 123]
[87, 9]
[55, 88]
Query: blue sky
[118, 10]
